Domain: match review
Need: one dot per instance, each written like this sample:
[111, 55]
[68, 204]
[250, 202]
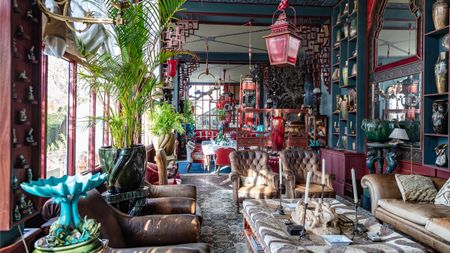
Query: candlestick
[323, 171]
[280, 171]
[308, 179]
[303, 234]
[355, 191]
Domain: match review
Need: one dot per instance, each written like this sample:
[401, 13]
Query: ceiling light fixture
[283, 42]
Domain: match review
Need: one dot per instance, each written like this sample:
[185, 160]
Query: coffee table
[266, 233]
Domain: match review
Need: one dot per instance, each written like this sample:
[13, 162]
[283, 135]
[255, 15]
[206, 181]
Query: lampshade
[399, 134]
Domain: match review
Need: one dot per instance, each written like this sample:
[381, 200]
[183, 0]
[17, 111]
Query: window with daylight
[204, 98]
[57, 116]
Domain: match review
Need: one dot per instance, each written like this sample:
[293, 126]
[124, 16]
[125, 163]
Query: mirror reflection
[397, 39]
[399, 100]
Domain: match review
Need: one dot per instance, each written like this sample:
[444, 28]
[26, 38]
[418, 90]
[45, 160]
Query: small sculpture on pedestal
[30, 96]
[29, 174]
[21, 162]
[17, 216]
[14, 93]
[14, 48]
[31, 57]
[20, 33]
[16, 6]
[14, 138]
[23, 76]
[26, 207]
[15, 183]
[322, 220]
[31, 17]
[23, 116]
[29, 138]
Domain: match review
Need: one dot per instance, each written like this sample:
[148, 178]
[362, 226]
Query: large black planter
[126, 167]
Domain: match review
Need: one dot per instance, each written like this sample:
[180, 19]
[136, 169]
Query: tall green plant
[128, 78]
[164, 120]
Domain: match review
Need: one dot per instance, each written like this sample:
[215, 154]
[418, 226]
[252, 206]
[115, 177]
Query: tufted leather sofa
[128, 234]
[296, 163]
[253, 165]
[425, 222]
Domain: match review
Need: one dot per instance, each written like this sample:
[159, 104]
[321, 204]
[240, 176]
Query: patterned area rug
[222, 225]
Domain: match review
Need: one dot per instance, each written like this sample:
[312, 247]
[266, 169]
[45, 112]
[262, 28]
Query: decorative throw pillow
[253, 181]
[416, 188]
[443, 196]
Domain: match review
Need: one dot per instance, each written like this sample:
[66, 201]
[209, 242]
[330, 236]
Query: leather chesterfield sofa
[157, 233]
[425, 222]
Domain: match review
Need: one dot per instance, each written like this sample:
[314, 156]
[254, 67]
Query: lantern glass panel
[294, 45]
[277, 48]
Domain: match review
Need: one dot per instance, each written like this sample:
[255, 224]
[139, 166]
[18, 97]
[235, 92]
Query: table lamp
[398, 136]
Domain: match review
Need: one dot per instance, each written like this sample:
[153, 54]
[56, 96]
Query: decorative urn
[377, 130]
[440, 14]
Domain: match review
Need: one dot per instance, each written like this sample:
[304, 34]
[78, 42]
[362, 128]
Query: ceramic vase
[344, 108]
[355, 6]
[353, 27]
[346, 30]
[441, 155]
[345, 73]
[440, 116]
[354, 69]
[441, 73]
[126, 167]
[277, 134]
[440, 14]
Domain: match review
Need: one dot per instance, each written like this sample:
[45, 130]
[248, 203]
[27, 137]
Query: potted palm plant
[164, 123]
[128, 79]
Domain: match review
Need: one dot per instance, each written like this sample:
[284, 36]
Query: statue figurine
[29, 207]
[17, 216]
[31, 57]
[14, 138]
[23, 115]
[15, 183]
[15, 50]
[14, 93]
[20, 33]
[22, 203]
[21, 162]
[16, 6]
[29, 174]
[391, 161]
[371, 159]
[23, 76]
[31, 17]
[29, 138]
[30, 94]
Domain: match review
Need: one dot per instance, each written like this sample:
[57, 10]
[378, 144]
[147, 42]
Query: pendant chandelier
[283, 42]
[88, 20]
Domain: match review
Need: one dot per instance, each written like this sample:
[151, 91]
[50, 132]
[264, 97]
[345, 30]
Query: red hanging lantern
[283, 42]
[171, 68]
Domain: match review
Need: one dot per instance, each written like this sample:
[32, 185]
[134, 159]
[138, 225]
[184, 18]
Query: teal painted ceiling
[326, 3]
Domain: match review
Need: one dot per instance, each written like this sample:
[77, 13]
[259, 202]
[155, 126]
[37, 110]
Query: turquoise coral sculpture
[69, 229]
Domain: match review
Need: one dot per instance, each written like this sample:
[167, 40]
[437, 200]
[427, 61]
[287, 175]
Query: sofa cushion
[257, 180]
[418, 213]
[257, 192]
[443, 196]
[439, 227]
[313, 188]
[416, 188]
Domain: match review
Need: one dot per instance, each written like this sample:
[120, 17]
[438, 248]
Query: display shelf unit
[351, 48]
[433, 45]
[21, 54]
[316, 126]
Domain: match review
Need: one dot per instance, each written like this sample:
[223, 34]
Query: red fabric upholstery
[151, 175]
[205, 135]
[223, 156]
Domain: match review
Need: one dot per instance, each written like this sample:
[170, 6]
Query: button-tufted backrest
[249, 163]
[299, 161]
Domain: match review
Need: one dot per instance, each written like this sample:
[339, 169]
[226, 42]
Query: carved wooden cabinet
[339, 164]
[21, 141]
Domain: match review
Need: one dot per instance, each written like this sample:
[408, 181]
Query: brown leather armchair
[149, 233]
[296, 164]
[251, 176]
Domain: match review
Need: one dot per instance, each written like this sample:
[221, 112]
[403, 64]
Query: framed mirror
[397, 39]
[399, 100]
